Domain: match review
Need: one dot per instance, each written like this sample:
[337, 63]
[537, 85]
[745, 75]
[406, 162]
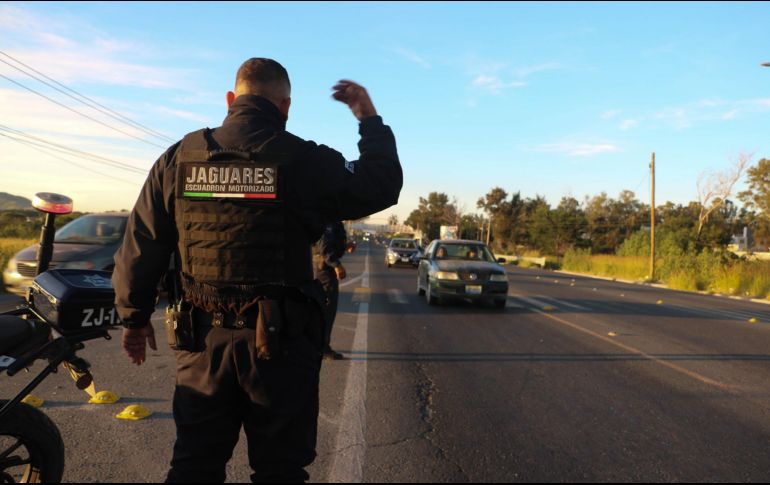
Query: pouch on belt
[269, 328]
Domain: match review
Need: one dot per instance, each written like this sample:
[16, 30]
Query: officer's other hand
[341, 273]
[135, 342]
[355, 96]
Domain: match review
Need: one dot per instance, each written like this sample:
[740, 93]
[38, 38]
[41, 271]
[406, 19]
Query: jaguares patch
[231, 180]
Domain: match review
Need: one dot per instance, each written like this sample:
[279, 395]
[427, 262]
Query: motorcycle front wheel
[31, 448]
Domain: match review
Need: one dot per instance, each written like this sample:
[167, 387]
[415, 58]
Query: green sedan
[460, 269]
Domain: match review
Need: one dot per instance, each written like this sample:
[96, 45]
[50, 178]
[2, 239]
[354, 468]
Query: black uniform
[234, 254]
[328, 252]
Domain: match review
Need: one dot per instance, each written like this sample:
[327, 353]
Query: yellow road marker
[362, 295]
[104, 397]
[659, 302]
[548, 308]
[33, 401]
[134, 412]
[612, 334]
[753, 320]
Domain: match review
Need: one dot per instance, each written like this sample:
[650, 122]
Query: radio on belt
[75, 300]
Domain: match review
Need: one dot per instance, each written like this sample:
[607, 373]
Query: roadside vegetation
[608, 236]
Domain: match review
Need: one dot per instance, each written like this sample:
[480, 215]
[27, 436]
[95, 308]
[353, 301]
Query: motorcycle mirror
[52, 203]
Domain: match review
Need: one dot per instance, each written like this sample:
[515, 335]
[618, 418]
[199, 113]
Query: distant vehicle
[448, 232]
[88, 242]
[462, 270]
[401, 251]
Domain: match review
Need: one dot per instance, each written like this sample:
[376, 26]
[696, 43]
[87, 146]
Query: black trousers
[225, 387]
[328, 278]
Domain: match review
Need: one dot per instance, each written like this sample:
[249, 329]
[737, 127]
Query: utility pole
[652, 219]
[481, 230]
[489, 230]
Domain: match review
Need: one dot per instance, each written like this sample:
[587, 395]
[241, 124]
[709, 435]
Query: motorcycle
[63, 309]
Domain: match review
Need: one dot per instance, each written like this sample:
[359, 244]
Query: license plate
[405, 259]
[473, 289]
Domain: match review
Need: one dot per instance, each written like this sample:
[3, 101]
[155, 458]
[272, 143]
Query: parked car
[88, 242]
[462, 270]
[401, 251]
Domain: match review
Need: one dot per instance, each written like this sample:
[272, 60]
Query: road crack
[426, 391]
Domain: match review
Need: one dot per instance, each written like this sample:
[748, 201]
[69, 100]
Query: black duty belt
[225, 320]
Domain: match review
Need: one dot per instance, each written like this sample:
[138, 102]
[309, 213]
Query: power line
[88, 101]
[72, 151]
[79, 113]
[45, 151]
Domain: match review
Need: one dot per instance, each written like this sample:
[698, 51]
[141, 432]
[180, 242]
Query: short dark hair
[259, 73]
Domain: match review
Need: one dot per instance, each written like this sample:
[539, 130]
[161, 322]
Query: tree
[757, 200]
[432, 213]
[715, 188]
[393, 220]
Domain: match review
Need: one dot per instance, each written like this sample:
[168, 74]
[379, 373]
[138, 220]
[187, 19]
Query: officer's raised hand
[135, 342]
[355, 96]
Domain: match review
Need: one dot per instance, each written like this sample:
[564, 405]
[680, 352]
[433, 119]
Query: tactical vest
[238, 238]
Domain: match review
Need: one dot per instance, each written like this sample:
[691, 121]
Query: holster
[270, 326]
[180, 331]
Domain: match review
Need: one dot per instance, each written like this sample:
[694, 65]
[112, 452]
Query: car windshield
[101, 230]
[403, 244]
[464, 252]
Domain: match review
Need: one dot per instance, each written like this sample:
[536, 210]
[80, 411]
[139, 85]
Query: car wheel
[432, 300]
[420, 291]
[500, 304]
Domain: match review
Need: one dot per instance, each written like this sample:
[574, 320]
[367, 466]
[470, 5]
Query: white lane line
[347, 282]
[397, 296]
[350, 444]
[532, 301]
[556, 302]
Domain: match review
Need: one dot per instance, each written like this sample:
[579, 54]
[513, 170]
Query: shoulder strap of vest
[200, 146]
[196, 146]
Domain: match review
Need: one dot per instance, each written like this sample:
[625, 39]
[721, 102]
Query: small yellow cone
[612, 334]
[135, 412]
[659, 302]
[33, 401]
[104, 397]
[753, 320]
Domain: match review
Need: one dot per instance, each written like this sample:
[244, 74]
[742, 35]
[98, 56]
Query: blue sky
[544, 98]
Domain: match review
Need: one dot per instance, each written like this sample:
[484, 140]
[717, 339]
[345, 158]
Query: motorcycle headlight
[77, 265]
[498, 278]
[446, 275]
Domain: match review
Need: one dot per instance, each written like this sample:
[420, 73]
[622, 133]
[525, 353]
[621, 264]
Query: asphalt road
[576, 380]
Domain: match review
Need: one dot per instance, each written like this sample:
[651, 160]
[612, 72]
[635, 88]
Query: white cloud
[577, 149]
[75, 53]
[494, 84]
[610, 114]
[529, 70]
[626, 125]
[412, 56]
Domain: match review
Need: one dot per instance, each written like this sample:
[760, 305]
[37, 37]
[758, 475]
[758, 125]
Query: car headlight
[446, 275]
[77, 265]
[12, 266]
[498, 278]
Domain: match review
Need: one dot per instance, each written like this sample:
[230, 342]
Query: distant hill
[10, 202]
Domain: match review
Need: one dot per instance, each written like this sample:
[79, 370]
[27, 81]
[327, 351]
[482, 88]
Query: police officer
[329, 270]
[239, 207]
